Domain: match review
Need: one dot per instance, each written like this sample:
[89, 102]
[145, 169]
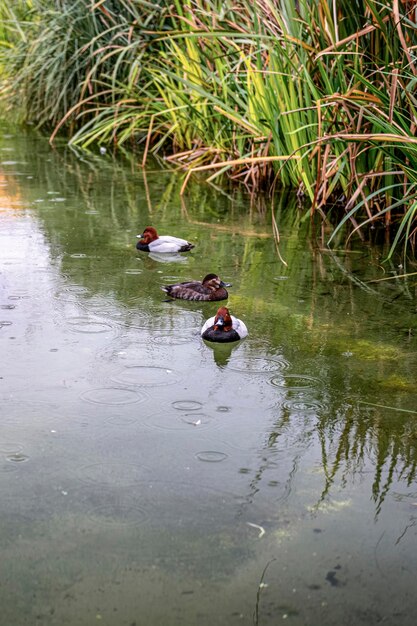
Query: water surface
[147, 478]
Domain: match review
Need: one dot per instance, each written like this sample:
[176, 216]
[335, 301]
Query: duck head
[148, 235]
[213, 282]
[223, 321]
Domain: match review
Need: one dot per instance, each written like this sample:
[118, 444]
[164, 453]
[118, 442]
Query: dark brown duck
[211, 288]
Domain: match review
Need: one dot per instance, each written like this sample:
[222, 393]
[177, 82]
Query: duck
[150, 241]
[210, 288]
[223, 327]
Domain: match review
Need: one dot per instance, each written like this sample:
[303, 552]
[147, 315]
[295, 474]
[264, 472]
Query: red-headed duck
[211, 288]
[224, 327]
[150, 241]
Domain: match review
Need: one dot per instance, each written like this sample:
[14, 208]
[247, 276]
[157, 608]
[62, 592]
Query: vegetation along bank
[315, 95]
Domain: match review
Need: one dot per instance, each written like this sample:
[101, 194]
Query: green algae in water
[131, 526]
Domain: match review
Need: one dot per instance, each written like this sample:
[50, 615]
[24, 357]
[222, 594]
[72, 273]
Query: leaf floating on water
[260, 528]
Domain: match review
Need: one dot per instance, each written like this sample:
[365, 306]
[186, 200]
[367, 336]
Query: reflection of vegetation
[9, 194]
[352, 337]
[391, 437]
[351, 435]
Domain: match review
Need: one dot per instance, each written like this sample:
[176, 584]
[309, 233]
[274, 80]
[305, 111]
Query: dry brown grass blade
[358, 191]
[357, 36]
[247, 161]
[396, 12]
[319, 159]
[364, 137]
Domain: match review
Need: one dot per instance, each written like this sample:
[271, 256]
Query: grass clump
[316, 96]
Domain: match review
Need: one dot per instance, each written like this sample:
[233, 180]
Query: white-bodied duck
[223, 327]
[150, 241]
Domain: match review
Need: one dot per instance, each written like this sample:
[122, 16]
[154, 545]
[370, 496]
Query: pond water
[149, 479]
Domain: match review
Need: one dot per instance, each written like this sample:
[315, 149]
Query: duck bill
[139, 236]
[222, 284]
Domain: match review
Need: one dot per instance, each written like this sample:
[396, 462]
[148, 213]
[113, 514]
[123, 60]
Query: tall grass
[60, 56]
[314, 95]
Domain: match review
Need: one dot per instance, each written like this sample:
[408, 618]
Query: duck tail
[187, 247]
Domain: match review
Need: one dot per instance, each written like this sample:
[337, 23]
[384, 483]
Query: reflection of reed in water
[106, 202]
[352, 437]
[368, 432]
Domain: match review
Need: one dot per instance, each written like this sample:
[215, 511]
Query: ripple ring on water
[17, 457]
[171, 340]
[295, 382]
[257, 365]
[303, 405]
[121, 420]
[88, 325]
[114, 474]
[211, 456]
[112, 396]
[8, 448]
[118, 515]
[186, 405]
[146, 376]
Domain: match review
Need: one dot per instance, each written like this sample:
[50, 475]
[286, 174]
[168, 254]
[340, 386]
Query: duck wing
[191, 290]
[170, 239]
[197, 287]
[166, 243]
[239, 326]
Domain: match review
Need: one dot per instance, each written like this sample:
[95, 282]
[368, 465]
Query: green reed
[316, 96]
[58, 56]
